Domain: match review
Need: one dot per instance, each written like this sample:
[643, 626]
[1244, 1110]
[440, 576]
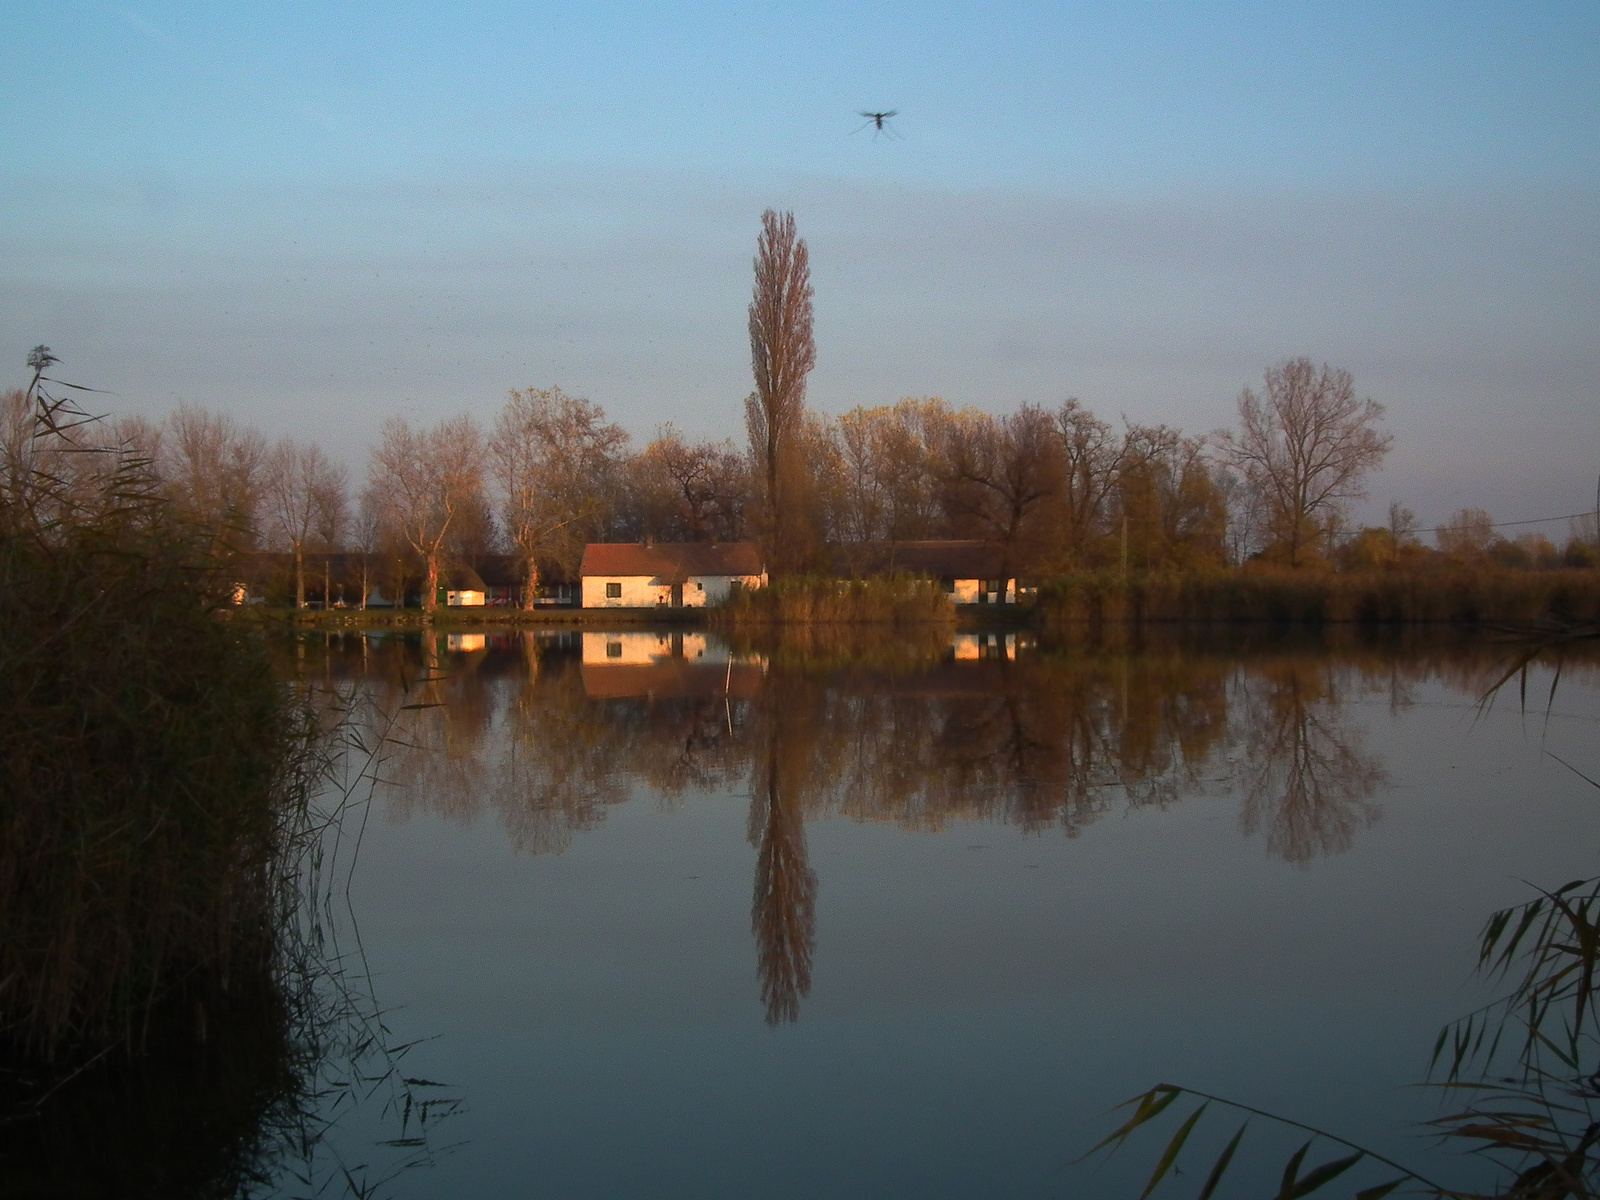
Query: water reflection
[1307, 781]
[783, 915]
[547, 731]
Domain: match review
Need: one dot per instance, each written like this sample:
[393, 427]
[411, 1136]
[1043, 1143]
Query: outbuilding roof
[672, 562]
[951, 559]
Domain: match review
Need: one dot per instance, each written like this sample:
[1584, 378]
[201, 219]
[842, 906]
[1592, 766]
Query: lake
[904, 915]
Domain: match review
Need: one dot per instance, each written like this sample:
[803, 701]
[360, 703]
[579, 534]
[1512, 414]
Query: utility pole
[1125, 549]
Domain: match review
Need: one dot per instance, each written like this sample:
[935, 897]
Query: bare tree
[1466, 535]
[703, 484]
[1307, 443]
[782, 353]
[1243, 502]
[305, 502]
[553, 457]
[370, 531]
[1091, 461]
[888, 460]
[1173, 513]
[214, 471]
[997, 470]
[427, 479]
[1402, 523]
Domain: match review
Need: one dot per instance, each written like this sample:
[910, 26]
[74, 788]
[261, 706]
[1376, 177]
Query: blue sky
[314, 215]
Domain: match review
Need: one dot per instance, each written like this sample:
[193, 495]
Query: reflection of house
[635, 647]
[967, 647]
[673, 678]
[667, 574]
[634, 663]
[972, 572]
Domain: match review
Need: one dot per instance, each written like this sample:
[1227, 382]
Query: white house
[667, 574]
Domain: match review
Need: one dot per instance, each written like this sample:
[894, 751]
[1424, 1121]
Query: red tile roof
[672, 562]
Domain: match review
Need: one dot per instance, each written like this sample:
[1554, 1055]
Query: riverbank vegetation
[1447, 594]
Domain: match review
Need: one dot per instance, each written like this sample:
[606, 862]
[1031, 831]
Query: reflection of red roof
[672, 562]
[671, 677]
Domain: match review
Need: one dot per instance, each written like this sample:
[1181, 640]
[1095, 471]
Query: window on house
[613, 649]
[614, 592]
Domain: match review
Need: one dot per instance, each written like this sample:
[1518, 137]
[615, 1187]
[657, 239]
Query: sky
[315, 216]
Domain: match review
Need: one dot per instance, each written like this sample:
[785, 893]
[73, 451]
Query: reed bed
[152, 771]
[1462, 597]
[816, 600]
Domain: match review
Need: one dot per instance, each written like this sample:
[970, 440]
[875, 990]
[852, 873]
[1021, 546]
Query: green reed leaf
[1381, 1190]
[1151, 1105]
[1325, 1174]
[1220, 1167]
[1170, 1154]
[1291, 1171]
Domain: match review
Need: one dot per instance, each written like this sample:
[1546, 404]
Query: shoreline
[1269, 599]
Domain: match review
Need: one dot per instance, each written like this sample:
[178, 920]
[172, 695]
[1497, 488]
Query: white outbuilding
[668, 574]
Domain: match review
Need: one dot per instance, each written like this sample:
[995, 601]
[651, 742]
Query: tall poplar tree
[782, 353]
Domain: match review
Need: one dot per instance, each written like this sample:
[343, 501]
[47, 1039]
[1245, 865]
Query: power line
[1588, 512]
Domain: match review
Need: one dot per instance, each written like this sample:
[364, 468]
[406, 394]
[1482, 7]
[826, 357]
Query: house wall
[714, 589]
[643, 591]
[638, 591]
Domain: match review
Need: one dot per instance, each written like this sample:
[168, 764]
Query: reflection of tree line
[1041, 741]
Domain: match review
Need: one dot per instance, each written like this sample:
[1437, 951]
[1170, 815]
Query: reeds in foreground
[151, 763]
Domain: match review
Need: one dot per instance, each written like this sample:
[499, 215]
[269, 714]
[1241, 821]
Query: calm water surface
[906, 917]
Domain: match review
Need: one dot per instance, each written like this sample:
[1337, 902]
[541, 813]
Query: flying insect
[875, 121]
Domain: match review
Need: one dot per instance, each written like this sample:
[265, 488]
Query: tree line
[1058, 488]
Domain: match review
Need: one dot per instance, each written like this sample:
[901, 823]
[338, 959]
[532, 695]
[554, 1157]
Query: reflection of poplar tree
[783, 915]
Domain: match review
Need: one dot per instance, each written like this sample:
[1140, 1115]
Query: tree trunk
[532, 586]
[363, 583]
[299, 576]
[774, 504]
[430, 589]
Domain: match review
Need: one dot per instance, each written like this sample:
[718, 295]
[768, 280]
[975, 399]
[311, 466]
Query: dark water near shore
[901, 917]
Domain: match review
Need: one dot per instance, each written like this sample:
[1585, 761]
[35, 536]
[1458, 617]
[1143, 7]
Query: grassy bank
[810, 600]
[1463, 597]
